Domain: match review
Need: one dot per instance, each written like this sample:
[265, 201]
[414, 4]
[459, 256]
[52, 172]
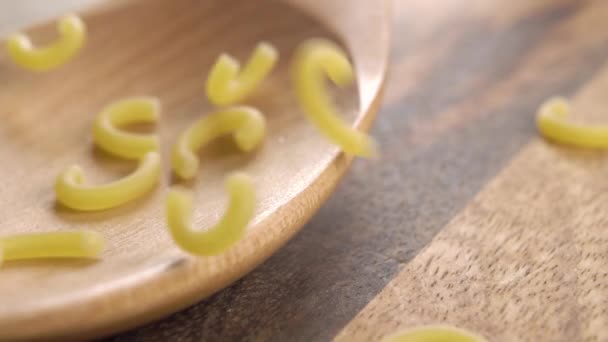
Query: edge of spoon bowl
[134, 301]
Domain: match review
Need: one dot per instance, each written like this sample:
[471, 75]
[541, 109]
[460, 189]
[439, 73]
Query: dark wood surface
[465, 82]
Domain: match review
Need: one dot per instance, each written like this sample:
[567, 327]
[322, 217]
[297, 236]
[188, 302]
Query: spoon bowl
[165, 48]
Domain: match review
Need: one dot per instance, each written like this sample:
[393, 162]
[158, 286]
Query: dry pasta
[24, 54]
[227, 85]
[71, 244]
[552, 121]
[73, 193]
[125, 112]
[230, 228]
[247, 125]
[314, 59]
[434, 334]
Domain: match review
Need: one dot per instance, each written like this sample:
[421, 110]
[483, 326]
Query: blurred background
[15, 14]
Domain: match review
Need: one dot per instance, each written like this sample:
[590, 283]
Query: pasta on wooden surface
[72, 32]
[230, 229]
[227, 84]
[69, 244]
[434, 334]
[246, 124]
[552, 122]
[73, 193]
[110, 138]
[315, 59]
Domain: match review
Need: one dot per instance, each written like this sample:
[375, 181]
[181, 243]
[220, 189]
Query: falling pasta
[434, 334]
[129, 111]
[552, 121]
[228, 231]
[247, 125]
[226, 86]
[23, 53]
[72, 244]
[314, 59]
[73, 193]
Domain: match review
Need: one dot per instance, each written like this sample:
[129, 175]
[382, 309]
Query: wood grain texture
[524, 261]
[464, 84]
[466, 79]
[165, 49]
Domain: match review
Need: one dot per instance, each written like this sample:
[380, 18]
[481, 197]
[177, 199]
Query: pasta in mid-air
[227, 84]
[314, 59]
[73, 193]
[72, 36]
[552, 121]
[246, 124]
[248, 127]
[113, 140]
[69, 244]
[228, 231]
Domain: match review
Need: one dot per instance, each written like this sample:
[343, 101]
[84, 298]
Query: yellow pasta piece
[434, 334]
[314, 59]
[225, 85]
[247, 125]
[72, 244]
[23, 53]
[73, 193]
[129, 111]
[228, 231]
[552, 121]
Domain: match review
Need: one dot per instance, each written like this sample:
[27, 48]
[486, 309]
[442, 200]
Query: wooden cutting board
[469, 218]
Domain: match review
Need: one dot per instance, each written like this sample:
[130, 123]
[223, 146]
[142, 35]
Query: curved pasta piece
[73, 33]
[434, 334]
[225, 85]
[247, 125]
[129, 111]
[314, 59]
[230, 228]
[73, 193]
[552, 121]
[72, 244]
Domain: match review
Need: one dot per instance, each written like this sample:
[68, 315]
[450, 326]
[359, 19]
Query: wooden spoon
[165, 48]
